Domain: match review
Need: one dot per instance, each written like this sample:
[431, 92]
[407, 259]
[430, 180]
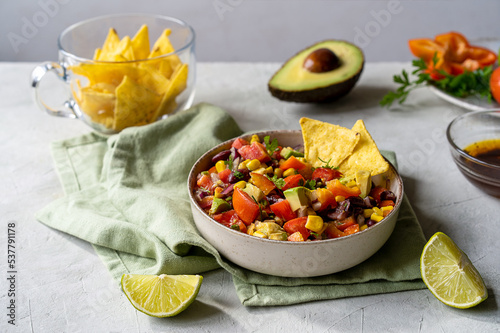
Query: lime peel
[161, 295]
[450, 275]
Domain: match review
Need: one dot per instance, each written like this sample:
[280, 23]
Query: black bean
[223, 155]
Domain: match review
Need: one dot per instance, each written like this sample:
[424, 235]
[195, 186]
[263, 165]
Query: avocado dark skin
[325, 64]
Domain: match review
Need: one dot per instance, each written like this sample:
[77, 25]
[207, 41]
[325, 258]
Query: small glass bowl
[470, 128]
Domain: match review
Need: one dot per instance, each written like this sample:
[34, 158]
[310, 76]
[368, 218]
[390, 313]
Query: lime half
[450, 275]
[161, 295]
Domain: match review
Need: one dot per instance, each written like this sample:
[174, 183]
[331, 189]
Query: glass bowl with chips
[122, 70]
[283, 257]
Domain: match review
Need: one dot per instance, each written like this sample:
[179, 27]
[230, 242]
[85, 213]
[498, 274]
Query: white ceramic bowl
[293, 259]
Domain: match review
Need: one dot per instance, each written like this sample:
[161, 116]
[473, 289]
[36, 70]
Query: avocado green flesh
[297, 197]
[295, 83]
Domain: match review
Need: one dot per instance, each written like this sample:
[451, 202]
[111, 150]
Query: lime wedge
[450, 275]
[161, 295]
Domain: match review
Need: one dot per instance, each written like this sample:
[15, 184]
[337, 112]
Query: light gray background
[257, 30]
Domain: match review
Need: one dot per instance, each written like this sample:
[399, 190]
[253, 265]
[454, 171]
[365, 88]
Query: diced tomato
[326, 197]
[385, 203]
[246, 208]
[296, 237]
[293, 181]
[262, 182]
[293, 162]
[206, 202]
[239, 142]
[283, 210]
[326, 174]
[229, 219]
[205, 182]
[352, 229]
[337, 188]
[255, 151]
[212, 170]
[277, 153]
[332, 231]
[298, 224]
[342, 225]
[224, 175]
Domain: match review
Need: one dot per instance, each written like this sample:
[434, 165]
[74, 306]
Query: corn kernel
[302, 159]
[387, 208]
[281, 162]
[339, 198]
[278, 172]
[269, 170]
[289, 172]
[278, 236]
[363, 227]
[251, 229]
[259, 234]
[260, 171]
[253, 164]
[376, 217]
[218, 191]
[220, 165]
[352, 183]
[241, 184]
[314, 223]
[378, 211]
[255, 138]
[367, 213]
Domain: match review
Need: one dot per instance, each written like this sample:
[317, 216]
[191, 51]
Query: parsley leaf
[239, 175]
[468, 83]
[310, 184]
[279, 182]
[271, 146]
[229, 162]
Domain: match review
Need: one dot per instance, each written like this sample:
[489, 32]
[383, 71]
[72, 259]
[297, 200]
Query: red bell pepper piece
[385, 203]
[206, 202]
[293, 162]
[230, 218]
[342, 225]
[326, 174]
[326, 198]
[375, 193]
[351, 229]
[261, 181]
[332, 231]
[246, 208]
[298, 224]
[337, 188]
[283, 210]
[293, 181]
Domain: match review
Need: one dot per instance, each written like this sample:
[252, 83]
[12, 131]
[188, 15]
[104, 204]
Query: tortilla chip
[177, 84]
[140, 43]
[98, 105]
[365, 156]
[110, 44]
[135, 104]
[328, 142]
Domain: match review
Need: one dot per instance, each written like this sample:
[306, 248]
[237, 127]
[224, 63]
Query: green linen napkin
[127, 195]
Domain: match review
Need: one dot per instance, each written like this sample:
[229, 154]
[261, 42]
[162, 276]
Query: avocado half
[329, 78]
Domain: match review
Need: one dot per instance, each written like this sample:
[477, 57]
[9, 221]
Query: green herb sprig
[468, 83]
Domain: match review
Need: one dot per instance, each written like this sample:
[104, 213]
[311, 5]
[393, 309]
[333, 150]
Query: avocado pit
[322, 72]
[321, 61]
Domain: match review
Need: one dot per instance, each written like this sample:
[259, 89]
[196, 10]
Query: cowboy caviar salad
[270, 191]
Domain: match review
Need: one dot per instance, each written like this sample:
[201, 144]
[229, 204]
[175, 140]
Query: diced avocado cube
[297, 197]
[281, 236]
[218, 206]
[254, 192]
[364, 182]
[287, 152]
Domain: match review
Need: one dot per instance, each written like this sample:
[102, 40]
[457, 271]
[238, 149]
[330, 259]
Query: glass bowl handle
[37, 74]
